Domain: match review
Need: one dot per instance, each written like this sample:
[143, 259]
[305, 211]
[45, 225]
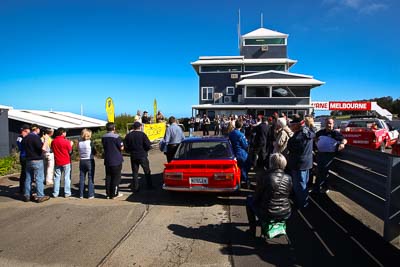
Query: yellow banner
[155, 110]
[110, 109]
[154, 131]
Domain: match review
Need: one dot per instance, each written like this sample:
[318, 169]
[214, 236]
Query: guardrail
[372, 179]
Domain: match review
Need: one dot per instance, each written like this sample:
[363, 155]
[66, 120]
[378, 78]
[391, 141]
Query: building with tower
[256, 82]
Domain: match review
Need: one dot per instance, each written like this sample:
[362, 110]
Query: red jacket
[61, 148]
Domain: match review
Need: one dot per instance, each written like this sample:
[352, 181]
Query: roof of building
[263, 32]
[54, 119]
[275, 71]
[293, 82]
[246, 106]
[240, 60]
[5, 107]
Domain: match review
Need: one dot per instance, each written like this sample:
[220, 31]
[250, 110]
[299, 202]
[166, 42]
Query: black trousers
[144, 163]
[113, 178]
[259, 156]
[22, 176]
[205, 129]
[171, 149]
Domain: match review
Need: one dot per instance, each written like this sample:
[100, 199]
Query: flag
[155, 110]
[110, 109]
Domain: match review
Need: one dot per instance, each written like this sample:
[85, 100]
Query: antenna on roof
[262, 20]
[239, 35]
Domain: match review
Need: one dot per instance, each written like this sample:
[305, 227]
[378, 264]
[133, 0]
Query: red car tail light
[173, 176]
[223, 176]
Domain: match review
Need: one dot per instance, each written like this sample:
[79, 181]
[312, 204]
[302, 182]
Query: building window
[265, 41]
[257, 91]
[230, 90]
[257, 68]
[207, 93]
[219, 68]
[290, 91]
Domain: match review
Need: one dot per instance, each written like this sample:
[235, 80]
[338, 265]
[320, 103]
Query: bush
[9, 165]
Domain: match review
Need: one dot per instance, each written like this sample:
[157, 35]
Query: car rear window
[364, 124]
[203, 150]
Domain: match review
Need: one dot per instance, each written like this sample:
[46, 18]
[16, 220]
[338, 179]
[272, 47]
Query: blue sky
[61, 54]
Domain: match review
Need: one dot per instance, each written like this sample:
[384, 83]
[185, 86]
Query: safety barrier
[372, 179]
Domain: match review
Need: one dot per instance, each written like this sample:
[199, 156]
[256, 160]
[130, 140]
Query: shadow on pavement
[158, 196]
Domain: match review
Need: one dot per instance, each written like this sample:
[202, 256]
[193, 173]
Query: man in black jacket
[34, 164]
[138, 144]
[300, 159]
[259, 147]
[271, 198]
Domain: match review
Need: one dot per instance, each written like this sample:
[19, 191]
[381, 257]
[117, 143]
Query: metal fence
[372, 179]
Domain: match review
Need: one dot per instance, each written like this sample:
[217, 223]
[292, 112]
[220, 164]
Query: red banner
[340, 105]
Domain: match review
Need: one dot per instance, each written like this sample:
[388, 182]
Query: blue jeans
[86, 166]
[34, 169]
[66, 169]
[300, 179]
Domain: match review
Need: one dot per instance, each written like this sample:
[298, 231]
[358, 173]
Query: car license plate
[198, 180]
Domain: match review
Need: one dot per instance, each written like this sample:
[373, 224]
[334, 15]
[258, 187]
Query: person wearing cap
[62, 149]
[138, 144]
[173, 137]
[300, 159]
[34, 164]
[113, 147]
[24, 131]
[145, 118]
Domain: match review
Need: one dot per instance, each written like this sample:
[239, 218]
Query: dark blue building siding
[219, 81]
[4, 141]
[274, 51]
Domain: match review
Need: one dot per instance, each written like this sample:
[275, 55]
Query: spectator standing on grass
[24, 131]
[48, 156]
[138, 144]
[62, 149]
[329, 142]
[173, 137]
[300, 159]
[86, 163]
[113, 147]
[34, 164]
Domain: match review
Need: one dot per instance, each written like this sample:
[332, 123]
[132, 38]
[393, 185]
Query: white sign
[320, 105]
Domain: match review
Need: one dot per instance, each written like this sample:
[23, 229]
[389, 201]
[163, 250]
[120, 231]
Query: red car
[203, 164]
